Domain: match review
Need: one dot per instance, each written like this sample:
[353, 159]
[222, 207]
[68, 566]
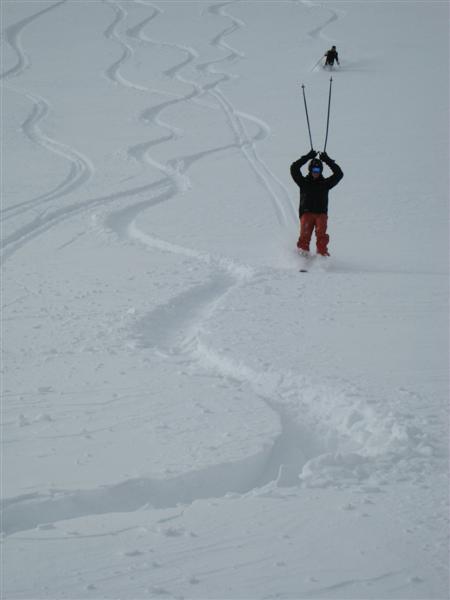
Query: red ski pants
[309, 222]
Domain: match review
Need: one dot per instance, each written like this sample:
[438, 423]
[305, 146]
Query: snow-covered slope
[184, 414]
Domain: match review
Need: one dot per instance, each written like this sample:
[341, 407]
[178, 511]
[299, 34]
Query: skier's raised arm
[335, 168]
[296, 166]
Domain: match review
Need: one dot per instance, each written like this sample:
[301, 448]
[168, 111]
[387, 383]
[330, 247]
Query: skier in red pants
[313, 210]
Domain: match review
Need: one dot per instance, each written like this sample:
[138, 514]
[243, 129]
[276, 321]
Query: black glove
[311, 154]
[325, 158]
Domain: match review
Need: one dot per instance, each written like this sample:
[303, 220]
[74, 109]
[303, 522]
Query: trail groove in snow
[283, 206]
[235, 117]
[81, 168]
[49, 219]
[173, 326]
[359, 445]
[317, 32]
[22, 513]
[328, 434]
[178, 326]
[179, 422]
[112, 33]
[13, 35]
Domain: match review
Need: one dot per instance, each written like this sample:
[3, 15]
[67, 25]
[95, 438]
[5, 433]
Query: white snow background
[184, 414]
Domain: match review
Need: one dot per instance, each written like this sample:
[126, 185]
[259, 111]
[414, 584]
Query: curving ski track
[177, 329]
[112, 33]
[13, 38]
[282, 204]
[80, 169]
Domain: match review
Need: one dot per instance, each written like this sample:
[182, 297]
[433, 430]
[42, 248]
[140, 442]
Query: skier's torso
[331, 56]
[314, 195]
[314, 192]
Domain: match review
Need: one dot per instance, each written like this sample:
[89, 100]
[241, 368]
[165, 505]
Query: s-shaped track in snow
[80, 167]
[176, 329]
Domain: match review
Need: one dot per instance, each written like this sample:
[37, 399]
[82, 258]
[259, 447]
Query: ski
[313, 262]
[304, 261]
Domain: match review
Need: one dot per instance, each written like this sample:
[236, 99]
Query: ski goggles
[316, 170]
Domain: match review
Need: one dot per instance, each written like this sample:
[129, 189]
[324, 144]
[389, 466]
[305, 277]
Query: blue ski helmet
[317, 163]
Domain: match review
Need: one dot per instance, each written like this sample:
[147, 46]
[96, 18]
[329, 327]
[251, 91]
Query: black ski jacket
[314, 192]
[331, 56]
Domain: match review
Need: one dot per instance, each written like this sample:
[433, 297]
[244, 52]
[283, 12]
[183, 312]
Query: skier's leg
[306, 229]
[321, 234]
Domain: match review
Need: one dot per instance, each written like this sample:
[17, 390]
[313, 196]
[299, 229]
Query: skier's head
[333, 47]
[315, 167]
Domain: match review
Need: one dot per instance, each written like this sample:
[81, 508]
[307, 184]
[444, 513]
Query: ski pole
[307, 117]
[328, 116]
[319, 61]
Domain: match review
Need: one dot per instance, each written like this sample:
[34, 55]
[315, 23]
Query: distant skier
[331, 56]
[313, 209]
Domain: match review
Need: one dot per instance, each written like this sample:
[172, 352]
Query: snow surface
[184, 414]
